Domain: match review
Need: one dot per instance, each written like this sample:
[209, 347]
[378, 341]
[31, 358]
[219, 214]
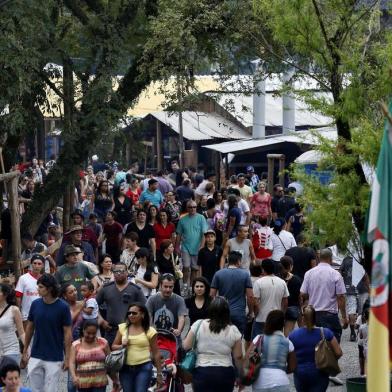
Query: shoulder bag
[325, 358]
[251, 367]
[177, 272]
[4, 310]
[117, 358]
[189, 362]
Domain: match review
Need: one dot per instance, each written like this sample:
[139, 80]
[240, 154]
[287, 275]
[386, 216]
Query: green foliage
[341, 45]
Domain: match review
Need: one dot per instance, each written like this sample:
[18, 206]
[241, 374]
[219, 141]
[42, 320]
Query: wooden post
[13, 203]
[159, 145]
[282, 160]
[217, 169]
[66, 210]
[270, 179]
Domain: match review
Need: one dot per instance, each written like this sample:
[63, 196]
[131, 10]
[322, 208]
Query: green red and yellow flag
[380, 233]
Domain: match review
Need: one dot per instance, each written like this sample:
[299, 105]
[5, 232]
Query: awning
[299, 137]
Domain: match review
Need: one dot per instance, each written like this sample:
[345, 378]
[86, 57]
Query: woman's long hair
[219, 314]
[9, 293]
[274, 322]
[146, 315]
[309, 317]
[202, 279]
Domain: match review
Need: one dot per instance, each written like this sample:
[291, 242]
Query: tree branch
[323, 30]
[77, 11]
[269, 48]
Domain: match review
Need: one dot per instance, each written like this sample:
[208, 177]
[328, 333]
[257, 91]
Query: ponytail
[309, 317]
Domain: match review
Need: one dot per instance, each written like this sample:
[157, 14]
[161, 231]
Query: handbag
[117, 358]
[177, 272]
[189, 361]
[251, 367]
[325, 358]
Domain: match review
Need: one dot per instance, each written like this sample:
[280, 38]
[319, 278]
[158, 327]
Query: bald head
[326, 256]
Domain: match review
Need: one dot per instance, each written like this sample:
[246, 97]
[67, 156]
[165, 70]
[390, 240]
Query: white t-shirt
[91, 303]
[270, 378]
[242, 205]
[140, 275]
[281, 243]
[269, 290]
[214, 349]
[28, 290]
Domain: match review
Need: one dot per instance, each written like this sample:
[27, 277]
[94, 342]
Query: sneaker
[336, 380]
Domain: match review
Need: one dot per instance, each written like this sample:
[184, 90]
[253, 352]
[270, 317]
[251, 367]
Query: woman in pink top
[260, 202]
[87, 360]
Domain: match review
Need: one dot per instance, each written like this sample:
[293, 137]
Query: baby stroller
[167, 344]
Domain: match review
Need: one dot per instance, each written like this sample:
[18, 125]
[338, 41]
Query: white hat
[94, 157]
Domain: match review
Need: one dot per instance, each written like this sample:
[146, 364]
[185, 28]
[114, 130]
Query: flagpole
[386, 112]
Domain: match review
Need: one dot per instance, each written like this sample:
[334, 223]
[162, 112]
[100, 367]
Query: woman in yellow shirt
[141, 342]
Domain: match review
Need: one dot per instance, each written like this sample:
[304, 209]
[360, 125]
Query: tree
[342, 47]
[105, 35]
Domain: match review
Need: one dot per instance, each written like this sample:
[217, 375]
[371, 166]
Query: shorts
[292, 313]
[189, 261]
[351, 304]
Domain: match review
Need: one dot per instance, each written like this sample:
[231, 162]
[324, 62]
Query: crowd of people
[148, 253]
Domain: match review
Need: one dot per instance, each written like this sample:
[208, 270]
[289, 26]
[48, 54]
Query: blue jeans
[213, 379]
[136, 378]
[331, 321]
[70, 385]
[310, 380]
[239, 321]
[258, 329]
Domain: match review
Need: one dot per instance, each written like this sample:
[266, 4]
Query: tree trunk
[87, 129]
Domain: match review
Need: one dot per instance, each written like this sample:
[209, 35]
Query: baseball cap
[210, 231]
[37, 256]
[250, 169]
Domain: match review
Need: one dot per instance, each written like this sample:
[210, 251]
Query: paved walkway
[348, 364]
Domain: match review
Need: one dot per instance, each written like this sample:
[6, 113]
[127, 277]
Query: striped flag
[380, 232]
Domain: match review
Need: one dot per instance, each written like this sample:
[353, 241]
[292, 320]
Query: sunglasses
[132, 313]
[192, 207]
[117, 272]
[167, 275]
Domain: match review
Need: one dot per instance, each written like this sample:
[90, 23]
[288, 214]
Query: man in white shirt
[26, 289]
[270, 293]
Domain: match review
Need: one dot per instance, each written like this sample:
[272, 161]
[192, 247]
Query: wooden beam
[13, 204]
[9, 176]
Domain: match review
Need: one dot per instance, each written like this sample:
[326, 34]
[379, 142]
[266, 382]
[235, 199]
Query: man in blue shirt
[49, 324]
[152, 194]
[235, 285]
[190, 235]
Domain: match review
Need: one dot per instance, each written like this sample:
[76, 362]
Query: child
[362, 324]
[90, 309]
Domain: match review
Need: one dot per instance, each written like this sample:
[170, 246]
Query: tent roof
[299, 137]
[201, 126]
